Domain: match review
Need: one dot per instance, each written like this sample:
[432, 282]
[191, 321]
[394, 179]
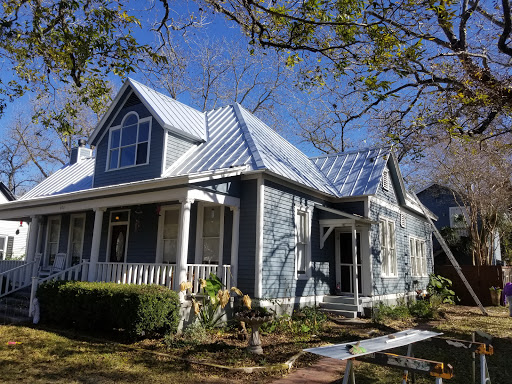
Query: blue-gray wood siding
[153, 169]
[279, 279]
[115, 111]
[417, 227]
[176, 147]
[390, 195]
[353, 207]
[247, 236]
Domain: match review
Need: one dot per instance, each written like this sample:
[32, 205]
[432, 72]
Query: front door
[345, 272]
[118, 242]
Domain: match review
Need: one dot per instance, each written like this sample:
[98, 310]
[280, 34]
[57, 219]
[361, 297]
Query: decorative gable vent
[132, 100]
[385, 180]
[402, 220]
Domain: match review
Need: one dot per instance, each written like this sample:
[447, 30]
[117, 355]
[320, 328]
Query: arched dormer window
[129, 142]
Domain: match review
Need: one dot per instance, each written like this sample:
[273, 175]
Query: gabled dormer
[142, 134]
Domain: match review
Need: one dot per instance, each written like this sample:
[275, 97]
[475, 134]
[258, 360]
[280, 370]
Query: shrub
[138, 310]
[395, 312]
[422, 309]
[441, 286]
[303, 321]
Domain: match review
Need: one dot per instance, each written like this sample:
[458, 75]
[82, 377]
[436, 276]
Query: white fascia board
[213, 197]
[345, 214]
[84, 204]
[115, 190]
[107, 114]
[306, 189]
[178, 132]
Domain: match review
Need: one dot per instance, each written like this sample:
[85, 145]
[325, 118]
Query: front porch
[177, 235]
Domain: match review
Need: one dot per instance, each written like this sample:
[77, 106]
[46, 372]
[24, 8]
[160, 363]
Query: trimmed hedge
[139, 310]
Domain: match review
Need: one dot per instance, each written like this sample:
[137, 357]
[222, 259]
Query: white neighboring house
[13, 234]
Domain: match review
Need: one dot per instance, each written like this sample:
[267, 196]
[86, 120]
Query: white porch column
[96, 239]
[354, 265]
[33, 238]
[180, 275]
[234, 245]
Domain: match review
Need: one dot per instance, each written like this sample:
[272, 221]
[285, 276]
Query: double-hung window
[129, 143]
[388, 248]
[169, 226]
[209, 245]
[52, 238]
[303, 243]
[418, 257]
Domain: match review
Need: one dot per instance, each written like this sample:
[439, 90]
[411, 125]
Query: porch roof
[147, 191]
[356, 218]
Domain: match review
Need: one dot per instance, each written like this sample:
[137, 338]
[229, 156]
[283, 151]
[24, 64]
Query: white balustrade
[195, 272]
[5, 265]
[17, 278]
[136, 273]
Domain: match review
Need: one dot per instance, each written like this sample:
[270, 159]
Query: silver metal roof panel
[69, 178]
[355, 173]
[175, 116]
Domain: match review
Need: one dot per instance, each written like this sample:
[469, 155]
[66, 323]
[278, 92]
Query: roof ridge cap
[253, 146]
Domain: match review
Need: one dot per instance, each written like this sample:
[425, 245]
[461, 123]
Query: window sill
[389, 277]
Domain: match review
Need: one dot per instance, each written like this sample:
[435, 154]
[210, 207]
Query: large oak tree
[407, 65]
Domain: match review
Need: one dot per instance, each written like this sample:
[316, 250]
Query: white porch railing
[136, 273]
[5, 265]
[202, 271]
[133, 273]
[76, 272]
[17, 278]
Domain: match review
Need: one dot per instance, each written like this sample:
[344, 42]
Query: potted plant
[495, 295]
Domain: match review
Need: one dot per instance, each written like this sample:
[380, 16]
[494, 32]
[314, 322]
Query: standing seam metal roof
[356, 173]
[238, 138]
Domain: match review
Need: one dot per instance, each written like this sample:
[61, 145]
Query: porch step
[340, 299]
[14, 308]
[341, 305]
[347, 314]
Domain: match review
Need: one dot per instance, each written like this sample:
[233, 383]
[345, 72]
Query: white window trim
[160, 240]
[46, 250]
[71, 217]
[308, 211]
[140, 121]
[382, 272]
[424, 263]
[109, 238]
[4, 250]
[199, 231]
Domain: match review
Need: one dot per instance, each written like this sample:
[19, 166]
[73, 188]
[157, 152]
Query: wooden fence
[481, 279]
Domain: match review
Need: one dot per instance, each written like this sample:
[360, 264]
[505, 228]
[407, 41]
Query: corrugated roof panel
[174, 114]
[70, 178]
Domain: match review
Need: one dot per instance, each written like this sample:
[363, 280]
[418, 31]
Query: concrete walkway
[325, 371]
